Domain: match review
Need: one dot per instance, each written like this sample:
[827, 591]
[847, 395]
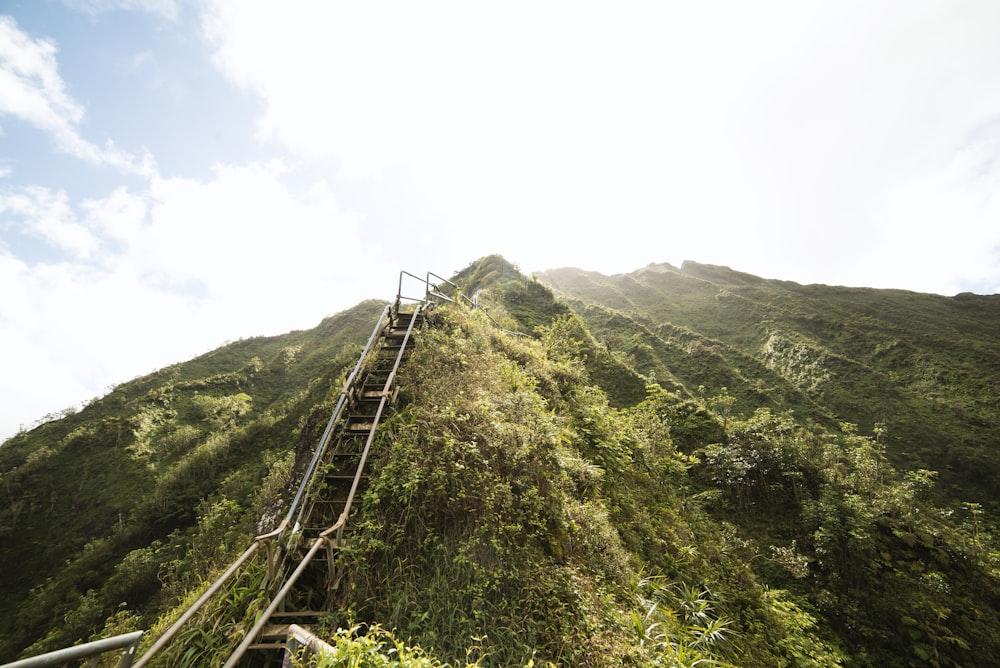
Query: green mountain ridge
[923, 367]
[674, 467]
[130, 475]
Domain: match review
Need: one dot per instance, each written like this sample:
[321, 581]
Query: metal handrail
[461, 297]
[399, 291]
[442, 279]
[377, 418]
[170, 633]
[338, 526]
[275, 602]
[299, 637]
[324, 440]
[430, 289]
[127, 641]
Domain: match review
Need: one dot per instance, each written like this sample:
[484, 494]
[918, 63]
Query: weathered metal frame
[269, 538]
[324, 441]
[129, 642]
[337, 528]
[302, 639]
[273, 606]
[431, 293]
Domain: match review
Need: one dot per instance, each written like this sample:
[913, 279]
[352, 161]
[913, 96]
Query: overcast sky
[176, 174]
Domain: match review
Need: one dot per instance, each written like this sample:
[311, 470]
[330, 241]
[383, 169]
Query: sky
[175, 174]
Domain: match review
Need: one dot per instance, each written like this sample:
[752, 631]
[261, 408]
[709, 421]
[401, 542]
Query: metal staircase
[336, 487]
[302, 570]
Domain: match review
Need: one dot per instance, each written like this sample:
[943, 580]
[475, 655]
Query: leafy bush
[373, 647]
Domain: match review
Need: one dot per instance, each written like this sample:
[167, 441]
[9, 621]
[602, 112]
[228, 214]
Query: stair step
[343, 466]
[344, 471]
[337, 494]
[398, 334]
[346, 439]
[267, 646]
[289, 614]
[360, 427]
[275, 631]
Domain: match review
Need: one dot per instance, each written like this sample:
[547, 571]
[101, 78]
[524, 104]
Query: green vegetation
[673, 468]
[922, 370]
[371, 647]
[129, 503]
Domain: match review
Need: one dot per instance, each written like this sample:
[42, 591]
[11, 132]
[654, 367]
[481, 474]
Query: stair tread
[299, 613]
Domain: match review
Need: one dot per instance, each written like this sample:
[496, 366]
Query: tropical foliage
[677, 467]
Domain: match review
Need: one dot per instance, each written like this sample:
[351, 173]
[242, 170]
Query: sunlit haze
[177, 174]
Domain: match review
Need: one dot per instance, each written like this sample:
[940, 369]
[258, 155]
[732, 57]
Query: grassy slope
[924, 366]
[514, 515]
[800, 535]
[533, 501]
[141, 465]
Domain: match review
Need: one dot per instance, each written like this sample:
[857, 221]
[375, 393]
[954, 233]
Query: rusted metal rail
[213, 589]
[324, 440]
[129, 642]
[332, 536]
[270, 538]
[303, 639]
[435, 289]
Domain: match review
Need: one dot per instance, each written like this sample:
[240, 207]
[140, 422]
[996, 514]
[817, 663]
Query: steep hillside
[920, 370]
[796, 539]
[102, 507]
[657, 469]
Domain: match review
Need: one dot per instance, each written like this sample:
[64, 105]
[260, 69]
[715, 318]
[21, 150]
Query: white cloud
[170, 273]
[840, 142]
[46, 214]
[948, 216]
[32, 91]
[253, 243]
[165, 8]
[30, 79]
[35, 381]
[119, 216]
[765, 136]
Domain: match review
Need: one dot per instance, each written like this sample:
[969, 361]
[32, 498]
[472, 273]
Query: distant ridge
[670, 466]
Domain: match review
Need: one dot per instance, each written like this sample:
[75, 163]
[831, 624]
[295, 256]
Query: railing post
[275, 602]
[129, 642]
[169, 634]
[272, 564]
[328, 432]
